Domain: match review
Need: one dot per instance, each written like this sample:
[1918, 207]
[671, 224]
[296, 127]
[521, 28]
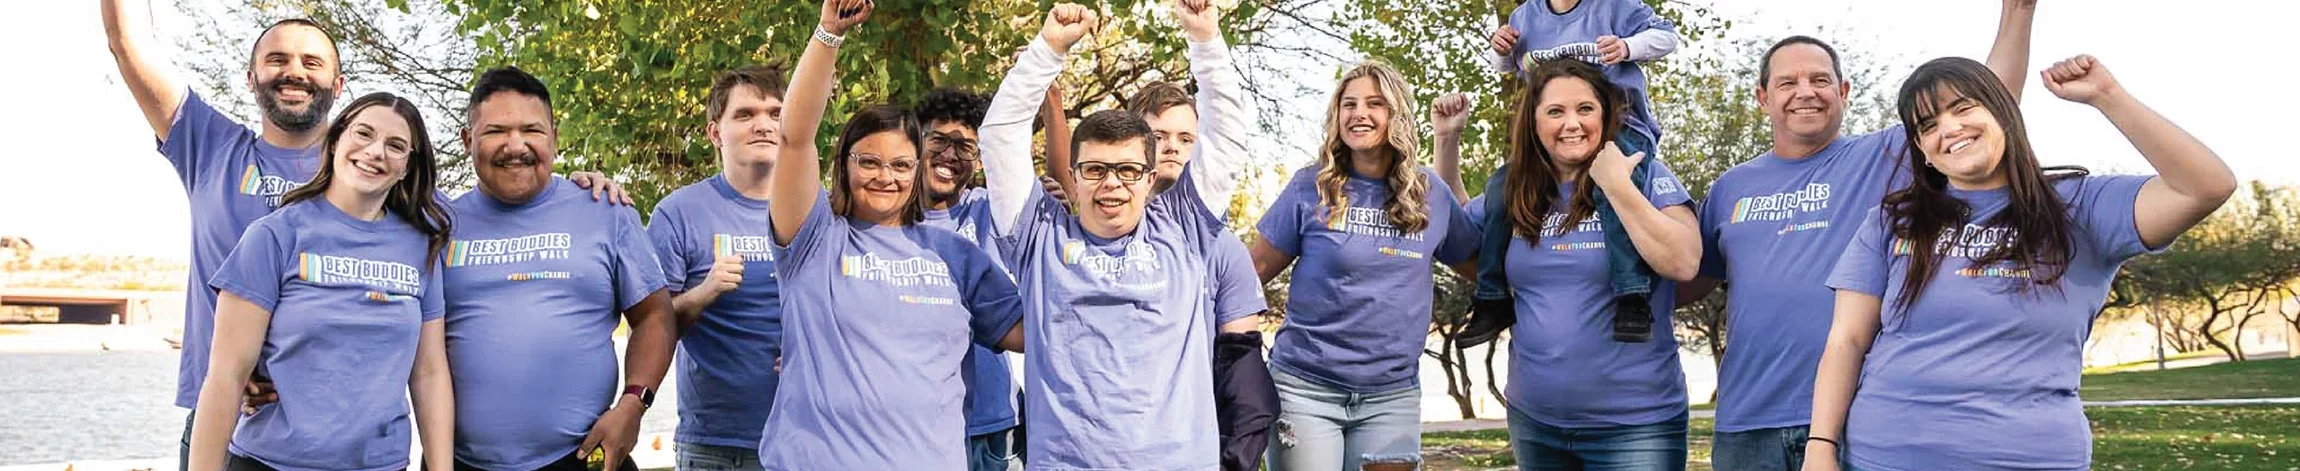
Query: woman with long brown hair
[1361, 228]
[336, 297]
[1964, 301]
[878, 310]
[1577, 399]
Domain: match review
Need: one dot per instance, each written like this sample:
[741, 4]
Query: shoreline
[85, 338]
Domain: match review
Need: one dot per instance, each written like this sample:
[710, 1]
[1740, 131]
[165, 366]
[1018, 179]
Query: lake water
[57, 407]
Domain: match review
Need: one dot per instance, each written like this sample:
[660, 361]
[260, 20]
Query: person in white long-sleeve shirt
[1114, 282]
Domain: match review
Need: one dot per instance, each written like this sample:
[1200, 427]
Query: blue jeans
[1322, 428]
[1628, 271]
[989, 451]
[693, 457]
[1764, 449]
[1541, 447]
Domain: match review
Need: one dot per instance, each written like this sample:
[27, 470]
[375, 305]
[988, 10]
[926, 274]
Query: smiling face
[1962, 139]
[512, 145]
[1802, 95]
[1365, 115]
[1115, 177]
[372, 154]
[295, 76]
[952, 155]
[749, 130]
[881, 169]
[1569, 121]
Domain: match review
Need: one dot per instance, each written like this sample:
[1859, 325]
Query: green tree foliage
[2240, 263]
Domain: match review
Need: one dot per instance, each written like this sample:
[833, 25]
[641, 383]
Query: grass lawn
[2128, 438]
[2250, 379]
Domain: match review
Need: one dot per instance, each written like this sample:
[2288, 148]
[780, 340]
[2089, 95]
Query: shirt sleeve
[1005, 133]
[2104, 205]
[434, 300]
[1864, 266]
[812, 232]
[257, 267]
[992, 300]
[194, 139]
[1237, 287]
[636, 270]
[1712, 226]
[667, 231]
[1462, 237]
[1281, 225]
[1223, 109]
[1649, 36]
[1663, 188]
[1476, 211]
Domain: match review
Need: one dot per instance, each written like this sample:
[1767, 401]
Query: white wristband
[828, 39]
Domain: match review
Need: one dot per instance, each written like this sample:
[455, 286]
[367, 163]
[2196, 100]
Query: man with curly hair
[955, 201]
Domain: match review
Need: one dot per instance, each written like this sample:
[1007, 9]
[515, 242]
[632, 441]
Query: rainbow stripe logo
[458, 253]
[722, 244]
[1072, 251]
[251, 180]
[307, 267]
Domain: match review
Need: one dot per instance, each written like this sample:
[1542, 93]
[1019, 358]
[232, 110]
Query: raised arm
[2191, 181]
[2008, 56]
[1005, 131]
[1057, 137]
[1448, 116]
[1223, 109]
[793, 186]
[146, 74]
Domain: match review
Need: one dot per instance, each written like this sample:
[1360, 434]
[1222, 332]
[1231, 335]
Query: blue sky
[80, 175]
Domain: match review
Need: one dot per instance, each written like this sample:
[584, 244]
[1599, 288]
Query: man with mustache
[709, 235]
[232, 174]
[536, 276]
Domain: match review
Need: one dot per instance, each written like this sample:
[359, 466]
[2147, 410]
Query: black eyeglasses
[1126, 172]
[936, 142]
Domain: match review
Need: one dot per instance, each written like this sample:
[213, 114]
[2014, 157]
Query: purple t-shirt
[989, 384]
[1237, 285]
[1972, 375]
[1772, 228]
[348, 303]
[541, 283]
[1565, 369]
[726, 361]
[231, 177]
[1120, 336]
[1359, 307]
[1547, 35]
[879, 323]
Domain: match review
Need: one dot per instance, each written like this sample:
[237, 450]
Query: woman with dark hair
[877, 309]
[1577, 399]
[1964, 301]
[336, 297]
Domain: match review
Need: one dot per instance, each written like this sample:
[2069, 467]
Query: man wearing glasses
[956, 203]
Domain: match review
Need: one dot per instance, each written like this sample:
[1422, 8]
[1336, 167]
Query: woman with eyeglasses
[878, 310]
[1361, 228]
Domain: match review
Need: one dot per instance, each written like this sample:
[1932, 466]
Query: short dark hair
[507, 79]
[1114, 127]
[768, 79]
[307, 22]
[951, 104]
[1156, 98]
[1765, 65]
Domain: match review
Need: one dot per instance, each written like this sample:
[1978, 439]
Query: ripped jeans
[1322, 428]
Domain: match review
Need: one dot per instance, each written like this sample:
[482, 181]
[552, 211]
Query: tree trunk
[1492, 381]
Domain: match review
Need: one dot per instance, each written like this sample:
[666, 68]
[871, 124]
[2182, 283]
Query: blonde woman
[1363, 223]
